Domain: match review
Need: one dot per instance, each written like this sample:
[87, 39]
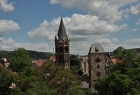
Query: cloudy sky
[33, 24]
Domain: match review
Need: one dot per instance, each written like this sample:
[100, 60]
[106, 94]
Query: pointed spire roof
[62, 31]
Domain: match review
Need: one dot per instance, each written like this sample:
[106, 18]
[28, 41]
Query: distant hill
[32, 54]
[137, 50]
[5, 54]
[37, 55]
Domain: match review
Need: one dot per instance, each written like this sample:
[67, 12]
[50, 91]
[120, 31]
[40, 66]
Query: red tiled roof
[115, 60]
[40, 61]
[53, 58]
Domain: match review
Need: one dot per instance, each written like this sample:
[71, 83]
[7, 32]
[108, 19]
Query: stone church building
[62, 47]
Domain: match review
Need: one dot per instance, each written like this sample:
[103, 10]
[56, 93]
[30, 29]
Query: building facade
[62, 47]
[84, 64]
[97, 63]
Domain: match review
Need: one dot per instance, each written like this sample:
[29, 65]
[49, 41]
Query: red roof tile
[53, 58]
[115, 60]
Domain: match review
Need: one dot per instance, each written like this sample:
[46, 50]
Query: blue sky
[33, 24]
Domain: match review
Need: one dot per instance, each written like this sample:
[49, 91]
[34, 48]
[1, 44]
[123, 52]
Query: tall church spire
[62, 52]
[62, 31]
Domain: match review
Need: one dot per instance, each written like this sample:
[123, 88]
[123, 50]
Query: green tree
[75, 65]
[62, 80]
[20, 60]
[48, 80]
[124, 76]
[74, 62]
[6, 78]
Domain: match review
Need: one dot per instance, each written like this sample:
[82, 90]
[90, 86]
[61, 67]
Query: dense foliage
[20, 60]
[75, 65]
[124, 76]
[5, 54]
[6, 78]
[45, 80]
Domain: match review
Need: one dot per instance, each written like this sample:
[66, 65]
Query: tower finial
[61, 15]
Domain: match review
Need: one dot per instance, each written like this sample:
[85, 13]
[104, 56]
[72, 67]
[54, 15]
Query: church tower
[97, 63]
[62, 47]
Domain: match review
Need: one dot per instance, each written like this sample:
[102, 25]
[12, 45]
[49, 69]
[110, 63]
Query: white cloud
[102, 41]
[7, 26]
[6, 6]
[42, 47]
[128, 46]
[134, 41]
[10, 44]
[115, 40]
[79, 26]
[134, 30]
[105, 9]
[91, 25]
[79, 47]
[135, 9]
[138, 22]
[75, 38]
[44, 31]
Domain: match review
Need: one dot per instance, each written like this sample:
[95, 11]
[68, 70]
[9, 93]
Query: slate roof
[62, 31]
[96, 48]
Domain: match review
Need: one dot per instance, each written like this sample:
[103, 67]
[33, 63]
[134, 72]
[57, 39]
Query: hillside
[32, 54]
[137, 50]
[37, 55]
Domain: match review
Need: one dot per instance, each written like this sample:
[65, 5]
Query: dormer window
[96, 49]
